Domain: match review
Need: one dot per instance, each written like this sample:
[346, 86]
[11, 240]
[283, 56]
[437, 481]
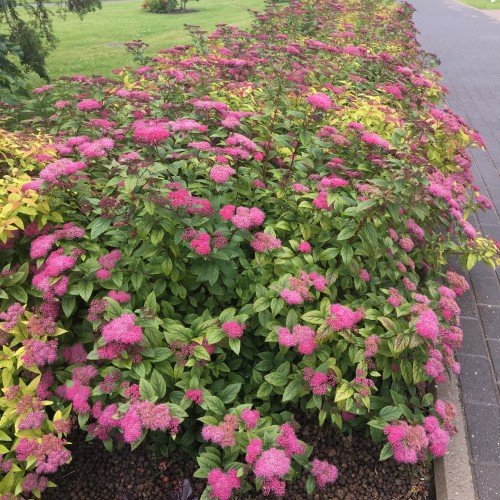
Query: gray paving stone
[494, 348]
[481, 270]
[473, 342]
[491, 230]
[487, 291]
[468, 43]
[467, 304]
[484, 432]
[488, 481]
[487, 217]
[477, 380]
[490, 318]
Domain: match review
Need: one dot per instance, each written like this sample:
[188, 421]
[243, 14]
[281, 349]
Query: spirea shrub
[250, 231]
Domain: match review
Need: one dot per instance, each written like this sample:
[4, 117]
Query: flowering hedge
[255, 225]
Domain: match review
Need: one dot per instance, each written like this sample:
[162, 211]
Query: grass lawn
[91, 46]
[483, 4]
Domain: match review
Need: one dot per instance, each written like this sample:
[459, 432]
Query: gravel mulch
[95, 474]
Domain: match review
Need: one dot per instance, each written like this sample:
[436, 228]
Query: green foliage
[164, 6]
[28, 36]
[245, 236]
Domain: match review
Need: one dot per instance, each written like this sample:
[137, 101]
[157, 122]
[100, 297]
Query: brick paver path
[468, 43]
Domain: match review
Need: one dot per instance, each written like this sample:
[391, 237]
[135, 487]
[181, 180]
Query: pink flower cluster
[88, 105]
[264, 241]
[371, 345]
[43, 244]
[427, 324]
[123, 330]
[253, 450]
[272, 466]
[50, 452]
[195, 395]
[298, 291]
[222, 484]
[181, 198]
[243, 217]
[39, 353]
[62, 167]
[250, 417]
[301, 336]
[447, 412]
[108, 262]
[319, 382]
[221, 173]
[320, 101]
[324, 472]
[233, 329]
[120, 296]
[304, 247]
[96, 149]
[344, 318]
[10, 317]
[222, 434]
[289, 442]
[150, 133]
[140, 415]
[146, 415]
[395, 299]
[434, 366]
[409, 442]
[375, 140]
[55, 265]
[459, 283]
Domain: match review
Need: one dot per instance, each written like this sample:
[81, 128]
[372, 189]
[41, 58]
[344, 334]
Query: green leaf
[7, 483]
[390, 413]
[261, 304]
[293, 389]
[277, 379]
[310, 484]
[229, 393]
[130, 183]
[386, 452]
[398, 398]
[147, 390]
[150, 303]
[264, 390]
[98, 226]
[158, 383]
[201, 353]
[157, 236]
[212, 274]
[235, 345]
[344, 391]
[428, 399]
[214, 404]
[19, 293]
[388, 323]
[214, 335]
[347, 253]
[314, 317]
[68, 304]
[407, 371]
[347, 232]
[136, 279]
[85, 289]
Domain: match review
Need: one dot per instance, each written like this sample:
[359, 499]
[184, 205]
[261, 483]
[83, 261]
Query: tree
[28, 34]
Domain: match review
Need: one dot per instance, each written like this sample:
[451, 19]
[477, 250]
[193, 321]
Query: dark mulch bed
[97, 475]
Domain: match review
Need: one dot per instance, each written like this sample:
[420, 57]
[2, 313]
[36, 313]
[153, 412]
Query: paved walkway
[468, 43]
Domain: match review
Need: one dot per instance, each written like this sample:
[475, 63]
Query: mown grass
[483, 4]
[91, 46]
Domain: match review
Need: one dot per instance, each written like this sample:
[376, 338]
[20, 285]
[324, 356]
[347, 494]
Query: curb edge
[453, 475]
